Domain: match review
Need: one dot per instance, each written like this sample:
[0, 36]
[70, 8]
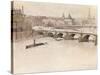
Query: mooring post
[80, 38]
[34, 42]
[96, 40]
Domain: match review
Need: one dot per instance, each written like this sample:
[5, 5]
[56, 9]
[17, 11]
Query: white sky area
[55, 10]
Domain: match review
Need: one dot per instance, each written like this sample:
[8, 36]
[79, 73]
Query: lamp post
[16, 31]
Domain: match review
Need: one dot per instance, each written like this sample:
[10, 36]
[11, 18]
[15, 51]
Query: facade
[68, 20]
[17, 19]
[59, 21]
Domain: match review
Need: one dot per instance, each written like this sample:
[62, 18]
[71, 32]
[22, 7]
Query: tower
[22, 9]
[89, 14]
[69, 16]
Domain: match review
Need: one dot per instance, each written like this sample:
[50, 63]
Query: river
[60, 55]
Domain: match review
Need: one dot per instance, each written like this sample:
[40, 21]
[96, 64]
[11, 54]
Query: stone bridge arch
[87, 38]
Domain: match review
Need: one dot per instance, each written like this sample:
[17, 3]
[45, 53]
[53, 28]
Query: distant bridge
[84, 26]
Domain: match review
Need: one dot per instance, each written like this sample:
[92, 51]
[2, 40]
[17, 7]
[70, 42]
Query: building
[68, 20]
[17, 20]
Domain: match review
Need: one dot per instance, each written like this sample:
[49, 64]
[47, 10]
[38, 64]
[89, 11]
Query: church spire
[69, 16]
[89, 14]
[22, 9]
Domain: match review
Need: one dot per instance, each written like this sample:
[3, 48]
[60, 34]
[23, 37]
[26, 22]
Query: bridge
[68, 34]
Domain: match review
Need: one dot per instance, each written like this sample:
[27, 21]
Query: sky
[55, 10]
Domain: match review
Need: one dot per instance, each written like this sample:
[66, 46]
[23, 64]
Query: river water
[60, 55]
